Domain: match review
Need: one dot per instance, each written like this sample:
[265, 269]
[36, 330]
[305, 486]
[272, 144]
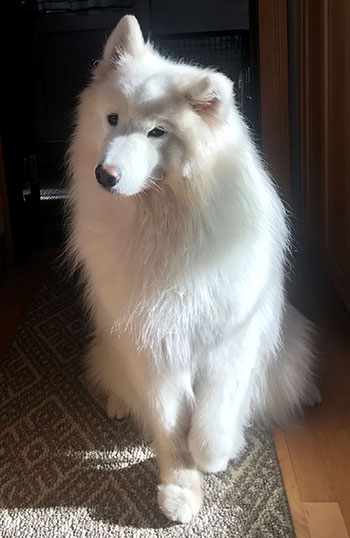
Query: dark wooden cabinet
[274, 95]
[325, 134]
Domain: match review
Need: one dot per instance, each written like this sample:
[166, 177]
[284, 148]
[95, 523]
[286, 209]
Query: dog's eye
[112, 119]
[156, 132]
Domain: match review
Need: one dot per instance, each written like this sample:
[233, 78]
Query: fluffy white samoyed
[182, 241]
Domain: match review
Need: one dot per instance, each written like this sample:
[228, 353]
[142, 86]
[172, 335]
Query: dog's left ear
[125, 38]
[211, 95]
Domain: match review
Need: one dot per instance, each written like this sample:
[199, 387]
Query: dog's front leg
[222, 406]
[179, 493]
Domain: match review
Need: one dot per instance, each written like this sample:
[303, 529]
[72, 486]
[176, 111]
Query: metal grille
[61, 6]
[227, 52]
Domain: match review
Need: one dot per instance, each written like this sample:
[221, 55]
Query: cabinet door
[273, 78]
[325, 130]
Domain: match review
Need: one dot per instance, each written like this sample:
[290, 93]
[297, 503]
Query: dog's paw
[116, 407]
[181, 499]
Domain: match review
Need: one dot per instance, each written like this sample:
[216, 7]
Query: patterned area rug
[66, 470]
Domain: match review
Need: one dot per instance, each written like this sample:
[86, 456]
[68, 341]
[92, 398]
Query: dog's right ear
[210, 95]
[125, 38]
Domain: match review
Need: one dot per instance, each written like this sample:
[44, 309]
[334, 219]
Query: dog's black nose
[107, 176]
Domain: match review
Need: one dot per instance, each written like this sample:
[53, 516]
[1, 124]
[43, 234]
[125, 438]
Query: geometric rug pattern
[68, 471]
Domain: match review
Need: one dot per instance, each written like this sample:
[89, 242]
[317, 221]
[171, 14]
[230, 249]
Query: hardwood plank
[325, 520]
[335, 447]
[292, 490]
[310, 469]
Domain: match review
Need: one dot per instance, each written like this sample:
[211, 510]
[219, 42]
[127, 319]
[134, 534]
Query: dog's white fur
[184, 264]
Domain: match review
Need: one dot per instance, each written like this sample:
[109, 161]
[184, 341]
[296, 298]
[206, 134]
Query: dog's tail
[286, 382]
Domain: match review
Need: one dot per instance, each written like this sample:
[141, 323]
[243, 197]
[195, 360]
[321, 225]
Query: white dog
[182, 240]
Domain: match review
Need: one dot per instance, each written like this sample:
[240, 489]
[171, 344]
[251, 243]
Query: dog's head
[151, 118]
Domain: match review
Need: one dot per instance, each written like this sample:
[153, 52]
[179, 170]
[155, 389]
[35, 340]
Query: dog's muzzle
[108, 176]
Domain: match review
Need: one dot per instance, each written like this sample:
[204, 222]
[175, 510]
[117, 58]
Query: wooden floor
[315, 456]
